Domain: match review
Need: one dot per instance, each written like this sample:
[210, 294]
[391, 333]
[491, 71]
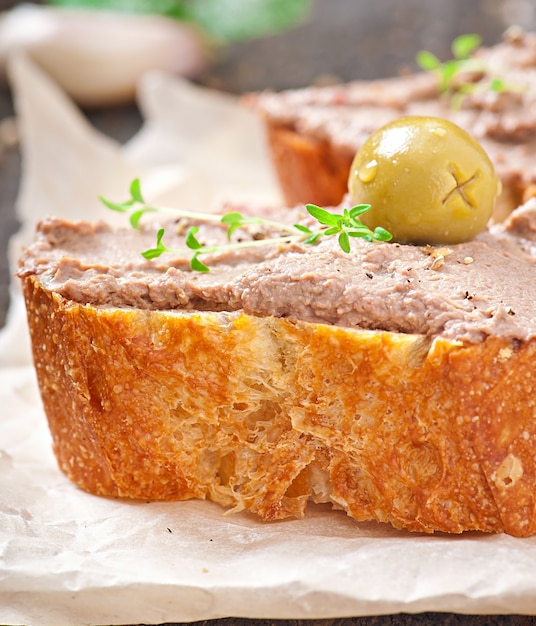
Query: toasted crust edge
[308, 170]
[266, 414]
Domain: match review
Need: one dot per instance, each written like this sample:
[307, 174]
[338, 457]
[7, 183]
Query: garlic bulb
[97, 57]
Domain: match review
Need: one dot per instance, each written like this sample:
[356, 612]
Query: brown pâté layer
[395, 382]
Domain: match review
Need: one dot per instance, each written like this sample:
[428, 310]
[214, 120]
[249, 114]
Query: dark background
[341, 40]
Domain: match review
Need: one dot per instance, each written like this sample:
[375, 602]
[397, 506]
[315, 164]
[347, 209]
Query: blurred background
[292, 43]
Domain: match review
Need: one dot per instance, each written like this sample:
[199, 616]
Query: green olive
[427, 181]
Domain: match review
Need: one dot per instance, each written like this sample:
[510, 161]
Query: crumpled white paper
[67, 557]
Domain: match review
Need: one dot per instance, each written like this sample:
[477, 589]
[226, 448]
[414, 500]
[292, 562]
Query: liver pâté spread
[461, 292]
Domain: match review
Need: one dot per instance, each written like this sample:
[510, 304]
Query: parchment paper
[67, 557]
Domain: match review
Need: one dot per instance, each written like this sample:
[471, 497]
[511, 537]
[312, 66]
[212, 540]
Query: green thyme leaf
[154, 253]
[197, 265]
[231, 230]
[428, 61]
[359, 209]
[498, 85]
[313, 238]
[232, 218]
[332, 231]
[136, 216]
[191, 239]
[303, 228]
[463, 63]
[380, 234]
[234, 221]
[135, 191]
[344, 241]
[321, 215]
[122, 207]
[364, 231]
[464, 45]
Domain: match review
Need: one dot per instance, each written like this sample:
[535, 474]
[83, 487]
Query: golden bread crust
[266, 414]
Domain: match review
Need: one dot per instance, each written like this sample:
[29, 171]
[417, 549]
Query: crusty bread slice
[265, 414]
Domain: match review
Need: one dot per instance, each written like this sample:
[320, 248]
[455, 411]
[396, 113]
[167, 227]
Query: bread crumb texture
[267, 414]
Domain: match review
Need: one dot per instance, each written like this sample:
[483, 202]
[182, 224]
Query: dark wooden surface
[399, 619]
[343, 39]
[402, 619]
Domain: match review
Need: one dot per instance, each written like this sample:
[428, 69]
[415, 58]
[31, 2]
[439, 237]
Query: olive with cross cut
[427, 181]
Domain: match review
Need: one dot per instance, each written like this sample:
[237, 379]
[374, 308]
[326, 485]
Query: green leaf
[332, 231]
[191, 239]
[152, 253]
[240, 20]
[125, 6]
[380, 234]
[197, 265]
[323, 216]
[122, 207]
[344, 241]
[359, 209]
[464, 45]
[302, 228]
[223, 20]
[232, 218]
[498, 85]
[235, 221]
[159, 237]
[135, 217]
[313, 238]
[359, 231]
[135, 191]
[450, 69]
[428, 61]
[232, 229]
[462, 49]
[170, 8]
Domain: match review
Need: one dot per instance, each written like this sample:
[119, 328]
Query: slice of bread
[257, 409]
[315, 132]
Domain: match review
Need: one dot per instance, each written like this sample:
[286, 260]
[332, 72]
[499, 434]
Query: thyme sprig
[345, 226]
[449, 72]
